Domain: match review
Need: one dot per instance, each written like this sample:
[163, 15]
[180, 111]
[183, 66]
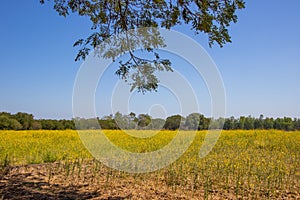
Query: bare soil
[48, 181]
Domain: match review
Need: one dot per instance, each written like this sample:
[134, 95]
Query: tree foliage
[194, 121]
[174, 122]
[7, 123]
[111, 18]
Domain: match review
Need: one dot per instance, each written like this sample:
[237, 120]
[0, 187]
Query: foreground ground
[243, 165]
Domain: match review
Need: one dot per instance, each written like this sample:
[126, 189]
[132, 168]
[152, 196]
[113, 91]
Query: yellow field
[258, 163]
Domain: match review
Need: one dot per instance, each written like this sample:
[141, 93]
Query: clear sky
[260, 69]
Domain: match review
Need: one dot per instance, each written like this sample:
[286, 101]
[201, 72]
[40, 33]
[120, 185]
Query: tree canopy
[193, 121]
[110, 18]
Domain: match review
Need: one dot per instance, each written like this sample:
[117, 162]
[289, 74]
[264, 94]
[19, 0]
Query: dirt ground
[45, 181]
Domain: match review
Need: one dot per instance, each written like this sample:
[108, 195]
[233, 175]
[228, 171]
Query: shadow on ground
[29, 186]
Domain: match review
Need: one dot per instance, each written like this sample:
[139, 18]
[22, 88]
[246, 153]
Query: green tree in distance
[25, 119]
[143, 120]
[7, 123]
[110, 18]
[193, 120]
[174, 122]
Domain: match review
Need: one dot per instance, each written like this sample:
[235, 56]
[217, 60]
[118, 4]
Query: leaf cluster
[113, 17]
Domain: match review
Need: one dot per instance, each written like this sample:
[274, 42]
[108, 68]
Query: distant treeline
[194, 121]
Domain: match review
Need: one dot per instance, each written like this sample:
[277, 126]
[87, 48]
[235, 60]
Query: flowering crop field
[243, 164]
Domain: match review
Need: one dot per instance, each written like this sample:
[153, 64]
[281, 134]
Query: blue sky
[260, 68]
